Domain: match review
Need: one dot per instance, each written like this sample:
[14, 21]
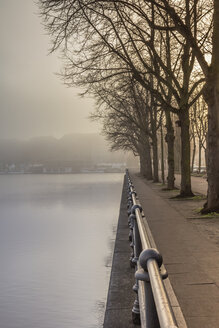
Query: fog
[77, 150]
[33, 100]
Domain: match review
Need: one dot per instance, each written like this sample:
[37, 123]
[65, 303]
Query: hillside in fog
[86, 149]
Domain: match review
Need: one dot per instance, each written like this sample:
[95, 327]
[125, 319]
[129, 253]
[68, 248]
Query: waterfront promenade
[190, 248]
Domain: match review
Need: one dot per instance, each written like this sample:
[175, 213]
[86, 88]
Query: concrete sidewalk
[190, 248]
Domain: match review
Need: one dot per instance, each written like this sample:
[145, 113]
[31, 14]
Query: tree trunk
[155, 158]
[185, 190]
[177, 150]
[162, 154]
[212, 204]
[170, 149]
[154, 146]
[145, 159]
[199, 156]
[212, 99]
[193, 153]
[143, 168]
[206, 159]
[149, 175]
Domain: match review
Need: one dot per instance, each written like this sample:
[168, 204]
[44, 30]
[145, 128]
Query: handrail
[151, 293]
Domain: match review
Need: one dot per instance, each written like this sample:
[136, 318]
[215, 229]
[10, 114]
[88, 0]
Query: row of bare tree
[145, 60]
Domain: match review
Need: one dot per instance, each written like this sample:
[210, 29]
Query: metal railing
[151, 308]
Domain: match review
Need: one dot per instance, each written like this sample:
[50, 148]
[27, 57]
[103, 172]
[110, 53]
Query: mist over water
[56, 240]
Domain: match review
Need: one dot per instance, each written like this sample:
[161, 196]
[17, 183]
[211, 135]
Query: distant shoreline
[59, 173]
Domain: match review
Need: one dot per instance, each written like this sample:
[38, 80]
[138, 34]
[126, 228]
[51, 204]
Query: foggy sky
[33, 100]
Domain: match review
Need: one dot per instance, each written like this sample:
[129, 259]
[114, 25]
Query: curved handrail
[148, 266]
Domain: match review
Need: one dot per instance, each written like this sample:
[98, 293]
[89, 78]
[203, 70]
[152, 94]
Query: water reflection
[56, 232]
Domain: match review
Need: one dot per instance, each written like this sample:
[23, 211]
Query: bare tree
[204, 42]
[124, 100]
[116, 28]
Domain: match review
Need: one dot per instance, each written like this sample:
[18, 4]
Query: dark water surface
[56, 240]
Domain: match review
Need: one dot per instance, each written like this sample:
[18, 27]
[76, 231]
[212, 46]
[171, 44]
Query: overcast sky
[33, 100]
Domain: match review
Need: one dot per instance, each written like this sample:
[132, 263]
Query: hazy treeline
[86, 148]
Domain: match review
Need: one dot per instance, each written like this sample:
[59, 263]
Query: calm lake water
[56, 240]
